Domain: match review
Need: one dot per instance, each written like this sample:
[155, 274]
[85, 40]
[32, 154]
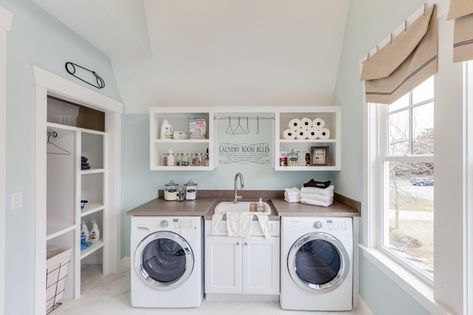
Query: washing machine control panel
[318, 224]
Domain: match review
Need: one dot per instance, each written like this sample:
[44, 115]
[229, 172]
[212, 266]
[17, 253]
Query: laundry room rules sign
[244, 142]
[251, 153]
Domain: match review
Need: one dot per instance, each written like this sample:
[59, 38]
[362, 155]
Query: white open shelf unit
[67, 186]
[178, 118]
[332, 116]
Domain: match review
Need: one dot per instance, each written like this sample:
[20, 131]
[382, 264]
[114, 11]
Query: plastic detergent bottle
[166, 130]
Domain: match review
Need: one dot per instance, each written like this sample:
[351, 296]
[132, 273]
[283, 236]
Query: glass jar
[170, 191]
[191, 190]
[292, 158]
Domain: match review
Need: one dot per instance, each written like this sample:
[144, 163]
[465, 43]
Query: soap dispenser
[260, 205]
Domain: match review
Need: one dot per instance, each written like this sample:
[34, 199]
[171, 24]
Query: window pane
[400, 103]
[409, 213]
[423, 133]
[399, 133]
[424, 92]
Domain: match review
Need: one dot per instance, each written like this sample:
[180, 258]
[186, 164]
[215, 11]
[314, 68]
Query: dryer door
[164, 260]
[318, 262]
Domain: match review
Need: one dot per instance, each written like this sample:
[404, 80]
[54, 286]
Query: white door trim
[51, 84]
[6, 18]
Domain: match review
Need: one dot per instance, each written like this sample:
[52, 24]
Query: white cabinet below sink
[241, 266]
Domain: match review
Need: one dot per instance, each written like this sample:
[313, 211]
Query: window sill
[413, 285]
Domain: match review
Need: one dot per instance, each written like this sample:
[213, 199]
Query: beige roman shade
[407, 61]
[462, 12]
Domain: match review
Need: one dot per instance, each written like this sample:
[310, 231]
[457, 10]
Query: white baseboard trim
[363, 308]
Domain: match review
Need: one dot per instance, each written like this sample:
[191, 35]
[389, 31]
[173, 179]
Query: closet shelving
[67, 186]
[179, 118]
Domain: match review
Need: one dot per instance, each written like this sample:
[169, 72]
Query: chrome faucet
[242, 185]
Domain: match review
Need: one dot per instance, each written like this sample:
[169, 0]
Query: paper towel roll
[306, 123]
[289, 134]
[324, 133]
[318, 123]
[313, 134]
[301, 134]
[294, 123]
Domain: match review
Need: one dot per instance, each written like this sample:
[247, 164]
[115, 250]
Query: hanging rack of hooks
[62, 151]
[242, 123]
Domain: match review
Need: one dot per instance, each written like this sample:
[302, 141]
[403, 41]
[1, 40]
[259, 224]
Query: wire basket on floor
[56, 274]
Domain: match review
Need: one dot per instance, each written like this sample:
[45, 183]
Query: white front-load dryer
[316, 264]
[166, 267]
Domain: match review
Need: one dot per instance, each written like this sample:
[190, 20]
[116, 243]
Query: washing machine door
[318, 262]
[164, 260]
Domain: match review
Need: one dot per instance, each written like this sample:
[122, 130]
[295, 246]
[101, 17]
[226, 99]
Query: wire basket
[57, 267]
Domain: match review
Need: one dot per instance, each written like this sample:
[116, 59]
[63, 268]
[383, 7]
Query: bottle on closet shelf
[85, 231]
[185, 160]
[164, 159]
[178, 159]
[95, 232]
[199, 160]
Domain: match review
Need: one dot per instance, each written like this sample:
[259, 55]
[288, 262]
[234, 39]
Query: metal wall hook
[62, 151]
[229, 127]
[239, 129]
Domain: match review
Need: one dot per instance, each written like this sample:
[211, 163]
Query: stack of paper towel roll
[306, 128]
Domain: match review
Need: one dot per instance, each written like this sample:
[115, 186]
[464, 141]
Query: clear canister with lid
[191, 190]
[170, 191]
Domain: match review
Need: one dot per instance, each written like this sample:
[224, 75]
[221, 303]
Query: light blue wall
[140, 185]
[363, 31]
[35, 39]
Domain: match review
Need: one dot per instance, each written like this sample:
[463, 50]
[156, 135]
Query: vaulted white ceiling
[216, 52]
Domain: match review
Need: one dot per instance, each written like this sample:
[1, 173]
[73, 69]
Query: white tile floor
[111, 296]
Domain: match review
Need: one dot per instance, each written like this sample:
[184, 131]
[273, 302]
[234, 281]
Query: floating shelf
[181, 168]
[91, 207]
[92, 249]
[182, 141]
[307, 141]
[61, 232]
[92, 171]
[307, 168]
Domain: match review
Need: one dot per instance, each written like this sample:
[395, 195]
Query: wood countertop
[205, 207]
[161, 207]
[337, 209]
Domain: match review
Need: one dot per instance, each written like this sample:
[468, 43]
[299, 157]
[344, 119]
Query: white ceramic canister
[191, 190]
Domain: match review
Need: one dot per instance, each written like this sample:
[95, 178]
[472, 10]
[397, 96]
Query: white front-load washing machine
[316, 264]
[166, 267]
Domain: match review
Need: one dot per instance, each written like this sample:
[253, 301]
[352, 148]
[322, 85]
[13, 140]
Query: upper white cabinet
[189, 146]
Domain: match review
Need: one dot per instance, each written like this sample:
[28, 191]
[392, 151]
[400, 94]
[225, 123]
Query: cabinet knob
[246, 244]
[237, 243]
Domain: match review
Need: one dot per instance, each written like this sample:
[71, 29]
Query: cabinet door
[261, 265]
[223, 257]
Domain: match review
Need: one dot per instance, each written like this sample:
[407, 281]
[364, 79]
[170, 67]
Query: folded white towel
[216, 219]
[317, 190]
[315, 197]
[292, 200]
[263, 220]
[317, 203]
[239, 224]
[292, 190]
[329, 191]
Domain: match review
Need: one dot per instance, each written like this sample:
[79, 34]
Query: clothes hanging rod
[243, 117]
